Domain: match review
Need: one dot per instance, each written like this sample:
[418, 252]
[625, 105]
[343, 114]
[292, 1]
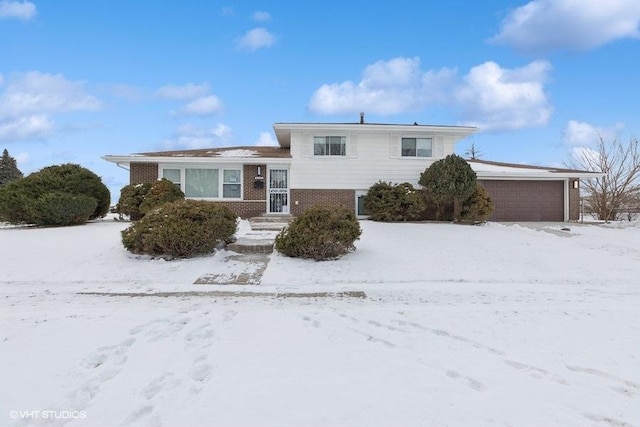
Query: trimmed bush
[180, 229]
[19, 199]
[320, 233]
[478, 207]
[57, 208]
[394, 202]
[131, 197]
[161, 192]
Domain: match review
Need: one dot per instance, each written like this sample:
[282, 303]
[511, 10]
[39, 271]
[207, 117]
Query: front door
[278, 197]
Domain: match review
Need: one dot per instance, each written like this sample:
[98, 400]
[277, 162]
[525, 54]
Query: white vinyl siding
[378, 157]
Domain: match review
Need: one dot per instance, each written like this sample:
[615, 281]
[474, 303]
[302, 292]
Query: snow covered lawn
[470, 326]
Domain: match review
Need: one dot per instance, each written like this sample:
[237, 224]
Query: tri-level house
[336, 163]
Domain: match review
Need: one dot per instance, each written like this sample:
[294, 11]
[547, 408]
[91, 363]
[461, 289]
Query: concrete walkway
[249, 254]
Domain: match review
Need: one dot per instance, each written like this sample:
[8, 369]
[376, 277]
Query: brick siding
[302, 199]
[246, 209]
[140, 173]
[574, 200]
[250, 172]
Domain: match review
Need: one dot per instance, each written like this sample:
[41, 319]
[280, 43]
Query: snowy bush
[394, 202]
[131, 197]
[162, 191]
[184, 228]
[320, 233]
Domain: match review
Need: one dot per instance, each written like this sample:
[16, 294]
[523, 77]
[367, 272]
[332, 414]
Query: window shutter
[306, 145]
[438, 147]
[394, 150]
[352, 146]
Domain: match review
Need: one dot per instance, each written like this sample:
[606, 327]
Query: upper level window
[417, 147]
[329, 146]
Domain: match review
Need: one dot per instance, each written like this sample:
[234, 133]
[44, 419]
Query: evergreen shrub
[62, 209]
[478, 207]
[21, 200]
[131, 197]
[320, 233]
[161, 192]
[181, 229]
[394, 202]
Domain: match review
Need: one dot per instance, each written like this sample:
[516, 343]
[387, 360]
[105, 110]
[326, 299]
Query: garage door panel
[526, 200]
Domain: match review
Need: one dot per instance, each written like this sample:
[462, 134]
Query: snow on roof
[238, 152]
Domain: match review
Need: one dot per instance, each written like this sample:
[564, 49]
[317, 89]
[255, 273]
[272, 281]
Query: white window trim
[433, 144]
[220, 168]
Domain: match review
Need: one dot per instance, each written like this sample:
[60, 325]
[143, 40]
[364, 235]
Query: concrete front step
[270, 222]
[251, 246]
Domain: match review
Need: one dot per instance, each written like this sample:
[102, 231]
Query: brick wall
[139, 173]
[308, 198]
[250, 192]
[574, 200]
[246, 209]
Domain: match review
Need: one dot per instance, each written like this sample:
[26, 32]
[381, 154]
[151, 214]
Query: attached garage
[515, 200]
[531, 193]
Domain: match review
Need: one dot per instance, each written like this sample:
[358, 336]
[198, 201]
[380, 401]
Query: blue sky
[82, 79]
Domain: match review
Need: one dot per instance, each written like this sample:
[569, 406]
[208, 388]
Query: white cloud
[189, 136]
[22, 159]
[547, 25]
[37, 93]
[489, 96]
[25, 128]
[188, 91]
[260, 16]
[496, 98]
[204, 106]
[266, 139]
[125, 91]
[582, 134]
[31, 100]
[256, 39]
[24, 10]
[1, 79]
[387, 87]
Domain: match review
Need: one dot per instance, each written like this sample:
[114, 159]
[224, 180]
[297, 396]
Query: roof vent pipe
[361, 118]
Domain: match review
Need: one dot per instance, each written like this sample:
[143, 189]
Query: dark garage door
[526, 200]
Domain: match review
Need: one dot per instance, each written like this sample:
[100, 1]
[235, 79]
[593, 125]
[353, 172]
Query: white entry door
[278, 199]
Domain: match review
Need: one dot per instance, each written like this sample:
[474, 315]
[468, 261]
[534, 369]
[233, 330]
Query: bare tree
[611, 196]
[472, 152]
